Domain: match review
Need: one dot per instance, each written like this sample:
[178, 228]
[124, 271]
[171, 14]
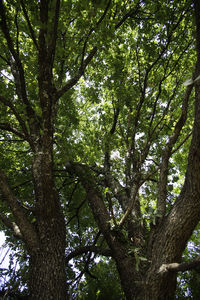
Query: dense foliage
[106, 88]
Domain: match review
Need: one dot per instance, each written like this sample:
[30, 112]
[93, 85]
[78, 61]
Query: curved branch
[71, 82]
[8, 127]
[94, 249]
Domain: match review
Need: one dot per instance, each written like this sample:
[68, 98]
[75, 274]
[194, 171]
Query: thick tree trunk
[161, 288]
[128, 276]
[47, 265]
[47, 278]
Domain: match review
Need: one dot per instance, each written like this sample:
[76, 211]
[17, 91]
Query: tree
[96, 117]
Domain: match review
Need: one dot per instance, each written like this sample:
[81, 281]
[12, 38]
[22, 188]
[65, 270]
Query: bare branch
[95, 249]
[77, 211]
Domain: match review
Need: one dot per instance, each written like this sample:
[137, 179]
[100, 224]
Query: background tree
[97, 122]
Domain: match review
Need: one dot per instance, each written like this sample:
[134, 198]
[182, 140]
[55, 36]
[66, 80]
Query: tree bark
[47, 265]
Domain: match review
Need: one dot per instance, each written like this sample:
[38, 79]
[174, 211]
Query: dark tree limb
[197, 20]
[29, 24]
[91, 31]
[52, 45]
[86, 249]
[182, 142]
[129, 14]
[71, 82]
[11, 48]
[18, 70]
[17, 115]
[76, 215]
[8, 127]
[26, 228]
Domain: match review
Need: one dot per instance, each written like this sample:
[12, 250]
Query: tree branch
[71, 82]
[26, 228]
[183, 141]
[52, 45]
[117, 189]
[197, 20]
[133, 194]
[18, 70]
[92, 53]
[17, 115]
[29, 24]
[182, 267]
[128, 15]
[95, 249]
[92, 30]
[167, 152]
[94, 197]
[8, 127]
[11, 225]
[107, 143]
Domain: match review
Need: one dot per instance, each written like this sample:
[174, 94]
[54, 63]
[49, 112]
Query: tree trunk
[47, 273]
[47, 265]
[128, 276]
